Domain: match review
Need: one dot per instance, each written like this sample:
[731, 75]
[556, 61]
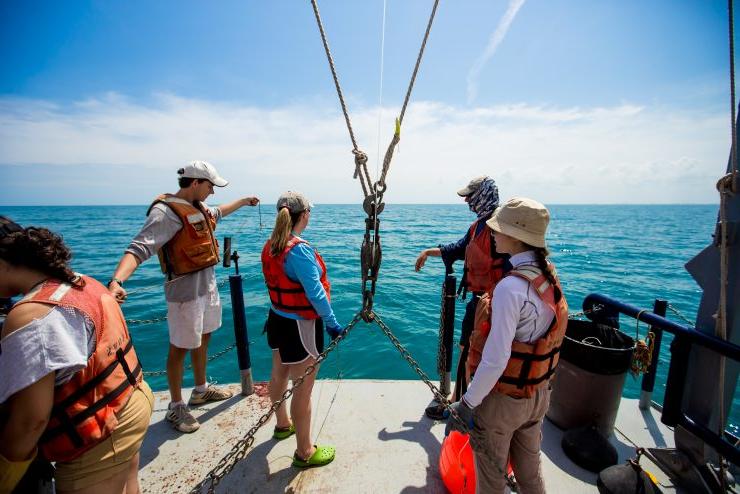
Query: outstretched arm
[422, 259]
[126, 267]
[228, 208]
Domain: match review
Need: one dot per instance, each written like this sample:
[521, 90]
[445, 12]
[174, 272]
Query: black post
[674, 387]
[648, 379]
[240, 333]
[448, 329]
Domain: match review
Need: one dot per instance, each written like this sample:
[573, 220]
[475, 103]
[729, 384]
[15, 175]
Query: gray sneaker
[212, 393]
[182, 419]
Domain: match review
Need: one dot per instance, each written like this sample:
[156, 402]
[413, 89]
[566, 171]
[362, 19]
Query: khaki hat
[203, 170]
[523, 219]
[294, 201]
[472, 186]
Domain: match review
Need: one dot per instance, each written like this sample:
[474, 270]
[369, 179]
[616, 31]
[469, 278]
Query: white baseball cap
[203, 170]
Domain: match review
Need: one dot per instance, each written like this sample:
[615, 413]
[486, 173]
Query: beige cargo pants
[504, 425]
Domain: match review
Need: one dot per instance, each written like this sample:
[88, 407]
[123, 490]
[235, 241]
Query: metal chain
[190, 366]
[596, 308]
[239, 450]
[681, 316]
[441, 353]
[435, 391]
[146, 321]
[221, 283]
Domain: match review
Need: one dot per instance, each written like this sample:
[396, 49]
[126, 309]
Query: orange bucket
[456, 464]
[457, 467]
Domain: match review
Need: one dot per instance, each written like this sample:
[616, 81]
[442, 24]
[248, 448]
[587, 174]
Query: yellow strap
[11, 472]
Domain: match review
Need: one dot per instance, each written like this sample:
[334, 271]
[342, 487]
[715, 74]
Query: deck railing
[684, 339]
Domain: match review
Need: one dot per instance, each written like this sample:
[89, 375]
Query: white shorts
[188, 321]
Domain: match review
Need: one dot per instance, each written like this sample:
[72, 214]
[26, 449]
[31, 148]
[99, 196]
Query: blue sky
[577, 101]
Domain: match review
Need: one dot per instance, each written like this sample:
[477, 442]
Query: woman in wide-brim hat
[509, 394]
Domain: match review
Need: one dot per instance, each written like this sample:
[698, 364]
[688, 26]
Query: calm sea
[633, 253]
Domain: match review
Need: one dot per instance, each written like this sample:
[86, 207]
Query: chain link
[239, 450]
[190, 366]
[681, 316]
[596, 308]
[441, 353]
[146, 321]
[435, 391]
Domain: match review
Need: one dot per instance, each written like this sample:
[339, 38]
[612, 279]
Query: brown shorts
[111, 456]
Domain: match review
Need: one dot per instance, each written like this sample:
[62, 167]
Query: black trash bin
[587, 387]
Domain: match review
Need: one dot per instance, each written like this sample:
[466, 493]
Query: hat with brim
[472, 186]
[203, 170]
[523, 219]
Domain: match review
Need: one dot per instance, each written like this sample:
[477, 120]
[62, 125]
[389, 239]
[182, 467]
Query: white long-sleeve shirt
[517, 313]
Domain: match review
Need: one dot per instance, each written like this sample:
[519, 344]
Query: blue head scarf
[484, 200]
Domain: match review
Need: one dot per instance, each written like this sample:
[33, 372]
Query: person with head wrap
[483, 267]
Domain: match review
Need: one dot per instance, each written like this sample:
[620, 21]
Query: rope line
[335, 76]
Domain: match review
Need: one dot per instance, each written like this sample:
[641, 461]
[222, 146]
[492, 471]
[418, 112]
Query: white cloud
[496, 38]
[625, 154]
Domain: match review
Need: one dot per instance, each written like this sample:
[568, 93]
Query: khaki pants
[506, 426]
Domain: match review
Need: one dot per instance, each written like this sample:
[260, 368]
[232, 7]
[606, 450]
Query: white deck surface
[384, 444]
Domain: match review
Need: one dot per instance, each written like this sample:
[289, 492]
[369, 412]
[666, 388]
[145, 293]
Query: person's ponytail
[541, 254]
[284, 222]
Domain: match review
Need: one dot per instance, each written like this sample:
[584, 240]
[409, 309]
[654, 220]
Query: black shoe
[436, 412]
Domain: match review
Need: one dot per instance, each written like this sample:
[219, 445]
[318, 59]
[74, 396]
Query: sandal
[322, 456]
[281, 433]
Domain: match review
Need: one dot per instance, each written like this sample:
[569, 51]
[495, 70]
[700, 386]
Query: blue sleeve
[301, 265]
[454, 251]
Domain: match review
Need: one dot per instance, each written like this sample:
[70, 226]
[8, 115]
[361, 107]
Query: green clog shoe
[281, 433]
[322, 456]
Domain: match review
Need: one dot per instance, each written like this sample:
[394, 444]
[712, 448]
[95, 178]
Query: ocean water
[634, 253]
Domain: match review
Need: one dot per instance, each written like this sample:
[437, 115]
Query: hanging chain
[685, 319]
[239, 450]
[190, 366]
[438, 395]
[441, 353]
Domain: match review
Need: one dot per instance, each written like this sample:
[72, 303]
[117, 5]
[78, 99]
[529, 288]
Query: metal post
[240, 333]
[448, 325]
[648, 379]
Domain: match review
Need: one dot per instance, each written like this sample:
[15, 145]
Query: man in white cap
[483, 267]
[180, 229]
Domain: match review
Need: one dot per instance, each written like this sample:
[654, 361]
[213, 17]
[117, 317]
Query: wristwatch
[120, 283]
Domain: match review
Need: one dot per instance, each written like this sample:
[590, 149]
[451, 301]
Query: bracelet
[120, 283]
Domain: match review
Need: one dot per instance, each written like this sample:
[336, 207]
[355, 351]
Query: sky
[567, 102]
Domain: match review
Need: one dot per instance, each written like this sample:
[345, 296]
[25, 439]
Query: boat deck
[384, 444]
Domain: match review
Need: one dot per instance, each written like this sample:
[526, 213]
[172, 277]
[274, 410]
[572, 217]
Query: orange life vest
[84, 410]
[194, 246]
[530, 365]
[483, 269]
[285, 294]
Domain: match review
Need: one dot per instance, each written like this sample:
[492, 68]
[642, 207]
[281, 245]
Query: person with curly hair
[70, 382]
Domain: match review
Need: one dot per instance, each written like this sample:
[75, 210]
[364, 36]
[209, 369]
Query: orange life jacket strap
[68, 424]
[527, 358]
